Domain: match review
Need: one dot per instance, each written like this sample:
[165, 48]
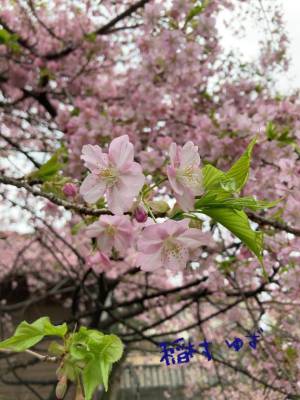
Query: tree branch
[104, 30]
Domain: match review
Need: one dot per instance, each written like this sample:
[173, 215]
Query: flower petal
[94, 229]
[93, 157]
[186, 200]
[92, 188]
[189, 155]
[176, 186]
[174, 154]
[149, 262]
[118, 202]
[194, 238]
[121, 151]
[132, 180]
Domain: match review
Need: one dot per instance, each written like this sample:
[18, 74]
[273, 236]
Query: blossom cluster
[116, 175]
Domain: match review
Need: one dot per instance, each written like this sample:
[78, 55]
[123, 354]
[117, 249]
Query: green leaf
[27, 335]
[10, 40]
[91, 378]
[80, 351]
[271, 131]
[212, 199]
[48, 170]
[105, 368]
[91, 37]
[4, 36]
[56, 349]
[238, 174]
[211, 177]
[86, 344]
[55, 185]
[76, 228]
[219, 199]
[45, 326]
[194, 12]
[232, 180]
[237, 222]
[111, 348]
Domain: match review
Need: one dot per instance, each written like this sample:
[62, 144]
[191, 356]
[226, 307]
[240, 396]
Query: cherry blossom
[170, 244]
[112, 231]
[115, 174]
[184, 174]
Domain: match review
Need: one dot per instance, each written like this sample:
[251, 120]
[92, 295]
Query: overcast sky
[248, 46]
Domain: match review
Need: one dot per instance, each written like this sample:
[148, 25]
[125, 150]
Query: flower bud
[70, 190]
[140, 214]
[61, 387]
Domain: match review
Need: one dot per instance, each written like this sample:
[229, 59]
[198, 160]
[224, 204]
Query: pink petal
[176, 186]
[117, 201]
[94, 230]
[149, 247]
[149, 262]
[193, 238]
[174, 153]
[186, 200]
[122, 243]
[93, 157]
[189, 155]
[132, 181]
[92, 188]
[121, 151]
[175, 228]
[105, 242]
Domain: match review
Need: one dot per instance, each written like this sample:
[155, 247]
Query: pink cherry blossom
[170, 244]
[115, 174]
[184, 174]
[112, 231]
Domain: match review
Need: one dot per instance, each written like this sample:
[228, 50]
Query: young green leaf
[91, 378]
[219, 199]
[48, 170]
[238, 174]
[232, 180]
[111, 348]
[27, 335]
[211, 177]
[105, 368]
[237, 222]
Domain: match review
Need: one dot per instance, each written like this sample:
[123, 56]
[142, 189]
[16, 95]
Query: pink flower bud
[70, 190]
[140, 214]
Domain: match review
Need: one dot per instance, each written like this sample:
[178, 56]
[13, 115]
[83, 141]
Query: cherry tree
[150, 183]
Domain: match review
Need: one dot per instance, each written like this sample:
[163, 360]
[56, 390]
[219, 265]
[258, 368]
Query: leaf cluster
[85, 357]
